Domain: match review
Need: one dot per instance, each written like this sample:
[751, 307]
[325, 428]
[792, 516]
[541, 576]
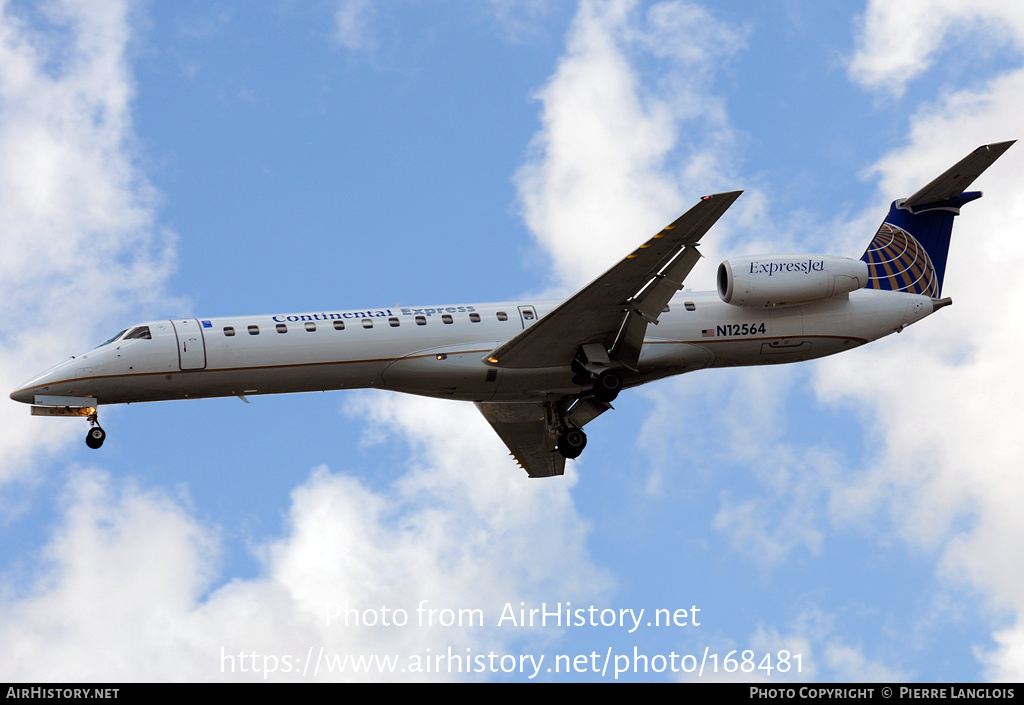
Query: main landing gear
[607, 386]
[575, 411]
[571, 443]
[96, 435]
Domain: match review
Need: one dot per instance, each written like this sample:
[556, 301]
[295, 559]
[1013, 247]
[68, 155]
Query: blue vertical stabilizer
[908, 253]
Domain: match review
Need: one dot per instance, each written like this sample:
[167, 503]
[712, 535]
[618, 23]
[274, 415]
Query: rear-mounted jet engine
[788, 280]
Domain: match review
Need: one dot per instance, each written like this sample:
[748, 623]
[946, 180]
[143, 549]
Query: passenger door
[191, 345]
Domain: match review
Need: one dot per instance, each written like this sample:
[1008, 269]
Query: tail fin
[908, 253]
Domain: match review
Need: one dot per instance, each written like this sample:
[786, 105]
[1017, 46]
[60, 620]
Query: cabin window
[690, 306]
[310, 326]
[367, 323]
[282, 328]
[474, 317]
[339, 325]
[229, 331]
[421, 320]
[446, 318]
[254, 330]
[139, 333]
[502, 316]
[393, 322]
[665, 310]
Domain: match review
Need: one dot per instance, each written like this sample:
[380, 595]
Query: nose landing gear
[96, 435]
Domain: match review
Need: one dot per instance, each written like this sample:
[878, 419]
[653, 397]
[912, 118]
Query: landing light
[76, 411]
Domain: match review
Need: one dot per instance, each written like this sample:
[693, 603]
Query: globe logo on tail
[897, 262]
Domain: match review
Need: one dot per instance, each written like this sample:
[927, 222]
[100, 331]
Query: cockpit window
[113, 339]
[139, 332]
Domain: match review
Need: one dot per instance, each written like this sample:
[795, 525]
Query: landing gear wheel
[571, 443]
[95, 437]
[607, 386]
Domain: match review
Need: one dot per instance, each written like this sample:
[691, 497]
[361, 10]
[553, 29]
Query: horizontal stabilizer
[955, 180]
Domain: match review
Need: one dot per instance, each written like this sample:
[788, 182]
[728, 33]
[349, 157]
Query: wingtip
[725, 194]
[996, 148]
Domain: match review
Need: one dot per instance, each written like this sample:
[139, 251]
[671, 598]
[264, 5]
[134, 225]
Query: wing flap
[641, 284]
[527, 429]
[530, 431]
[649, 304]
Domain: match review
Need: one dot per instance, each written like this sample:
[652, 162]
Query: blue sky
[194, 158]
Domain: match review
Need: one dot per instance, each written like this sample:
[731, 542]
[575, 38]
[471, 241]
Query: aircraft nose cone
[23, 395]
[26, 393]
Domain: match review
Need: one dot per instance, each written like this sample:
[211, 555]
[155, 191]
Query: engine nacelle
[788, 280]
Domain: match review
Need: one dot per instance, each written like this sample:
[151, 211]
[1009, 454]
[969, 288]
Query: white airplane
[540, 371]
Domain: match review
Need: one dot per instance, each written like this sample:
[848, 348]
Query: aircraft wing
[529, 430]
[615, 309]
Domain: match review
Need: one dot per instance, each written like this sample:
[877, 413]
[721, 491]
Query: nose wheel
[96, 435]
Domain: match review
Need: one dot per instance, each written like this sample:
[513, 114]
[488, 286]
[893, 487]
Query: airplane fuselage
[439, 351]
[540, 371]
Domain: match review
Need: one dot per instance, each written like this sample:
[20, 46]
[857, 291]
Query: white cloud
[946, 409]
[807, 650]
[123, 593]
[940, 406]
[899, 41]
[457, 524]
[79, 247]
[604, 172]
[518, 18]
[940, 402]
[352, 25]
[124, 590]
[1006, 661]
[817, 653]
